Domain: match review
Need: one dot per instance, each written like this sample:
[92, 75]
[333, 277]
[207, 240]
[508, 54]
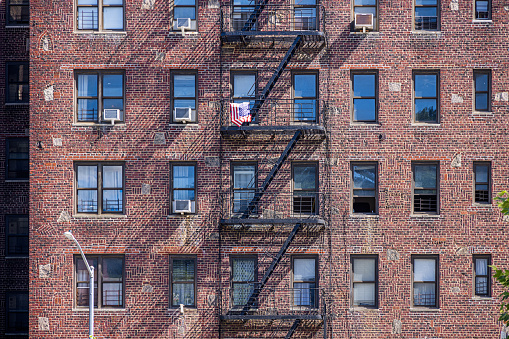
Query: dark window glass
[18, 12]
[241, 11]
[244, 87]
[17, 83]
[184, 97]
[17, 158]
[305, 282]
[482, 90]
[243, 279]
[425, 281]
[100, 188]
[482, 177]
[244, 186]
[482, 275]
[305, 15]
[183, 281]
[366, 7]
[305, 189]
[184, 188]
[426, 98]
[99, 15]
[426, 15]
[17, 312]
[305, 97]
[425, 188]
[483, 10]
[364, 177]
[17, 235]
[108, 278]
[184, 15]
[365, 280]
[96, 92]
[365, 97]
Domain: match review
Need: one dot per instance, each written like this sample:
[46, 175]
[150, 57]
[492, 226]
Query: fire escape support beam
[256, 292]
[254, 16]
[296, 324]
[258, 195]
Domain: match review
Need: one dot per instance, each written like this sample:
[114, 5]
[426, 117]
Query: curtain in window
[243, 271]
[112, 198]
[183, 294]
[304, 270]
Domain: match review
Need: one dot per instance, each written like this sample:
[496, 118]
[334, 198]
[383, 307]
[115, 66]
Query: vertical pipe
[91, 304]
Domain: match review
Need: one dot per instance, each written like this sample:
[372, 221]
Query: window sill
[366, 33]
[365, 124]
[477, 21]
[101, 32]
[17, 26]
[480, 298]
[15, 333]
[427, 32]
[425, 215]
[17, 104]
[185, 33]
[364, 215]
[17, 180]
[185, 215]
[364, 309]
[424, 309]
[173, 124]
[99, 310]
[482, 112]
[95, 124]
[16, 257]
[487, 206]
[99, 216]
[424, 124]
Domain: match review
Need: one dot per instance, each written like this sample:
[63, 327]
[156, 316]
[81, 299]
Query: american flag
[240, 113]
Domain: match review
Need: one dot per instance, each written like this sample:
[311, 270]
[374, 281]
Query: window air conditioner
[182, 24]
[183, 206]
[364, 21]
[182, 114]
[111, 115]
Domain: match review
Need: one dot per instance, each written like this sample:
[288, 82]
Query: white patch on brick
[145, 189]
[211, 299]
[506, 8]
[45, 271]
[64, 217]
[505, 218]
[454, 5]
[456, 99]
[212, 161]
[394, 86]
[159, 139]
[463, 251]
[392, 255]
[48, 93]
[147, 4]
[456, 289]
[396, 326]
[160, 56]
[456, 161]
[57, 141]
[502, 96]
[213, 4]
[46, 43]
[147, 288]
[43, 324]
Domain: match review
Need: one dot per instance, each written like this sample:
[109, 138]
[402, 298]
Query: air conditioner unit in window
[182, 114]
[111, 115]
[182, 24]
[183, 206]
[364, 21]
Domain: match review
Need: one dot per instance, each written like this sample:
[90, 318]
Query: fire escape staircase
[251, 21]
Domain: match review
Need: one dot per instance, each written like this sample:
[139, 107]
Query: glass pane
[425, 176]
[185, 12]
[87, 110]
[112, 269]
[17, 245]
[304, 269]
[116, 104]
[481, 187]
[87, 176]
[88, 18]
[364, 294]
[425, 110]
[305, 2]
[183, 195]
[112, 201]
[184, 86]
[183, 176]
[481, 285]
[304, 177]
[112, 176]
[183, 294]
[304, 294]
[364, 85]
[241, 293]
[305, 85]
[17, 73]
[365, 2]
[424, 269]
[481, 266]
[185, 2]
[426, 12]
[18, 148]
[481, 82]
[244, 177]
[305, 19]
[425, 2]
[481, 173]
[112, 294]
[305, 110]
[113, 2]
[112, 85]
[113, 18]
[364, 176]
[183, 270]
[244, 85]
[364, 269]
[87, 85]
[87, 2]
[243, 269]
[241, 200]
[18, 225]
[185, 103]
[425, 85]
[364, 110]
[481, 101]
[87, 201]
[244, 2]
[424, 294]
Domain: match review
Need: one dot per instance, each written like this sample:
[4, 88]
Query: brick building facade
[358, 203]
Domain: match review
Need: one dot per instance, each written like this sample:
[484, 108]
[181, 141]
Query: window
[17, 235]
[482, 9]
[184, 14]
[108, 278]
[244, 87]
[17, 159]
[184, 97]
[425, 188]
[426, 15]
[482, 84]
[305, 15]
[183, 281]
[364, 187]
[97, 91]
[241, 11]
[305, 282]
[366, 7]
[482, 178]
[17, 313]
[99, 188]
[245, 182]
[100, 15]
[305, 188]
[183, 187]
[426, 97]
[364, 96]
[17, 83]
[18, 12]
[364, 280]
[243, 279]
[305, 101]
[425, 280]
[482, 272]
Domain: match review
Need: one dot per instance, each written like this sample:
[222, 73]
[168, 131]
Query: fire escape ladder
[258, 195]
[258, 289]
[296, 324]
[254, 16]
[279, 70]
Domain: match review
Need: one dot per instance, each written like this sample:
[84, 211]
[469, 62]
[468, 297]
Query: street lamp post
[90, 269]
